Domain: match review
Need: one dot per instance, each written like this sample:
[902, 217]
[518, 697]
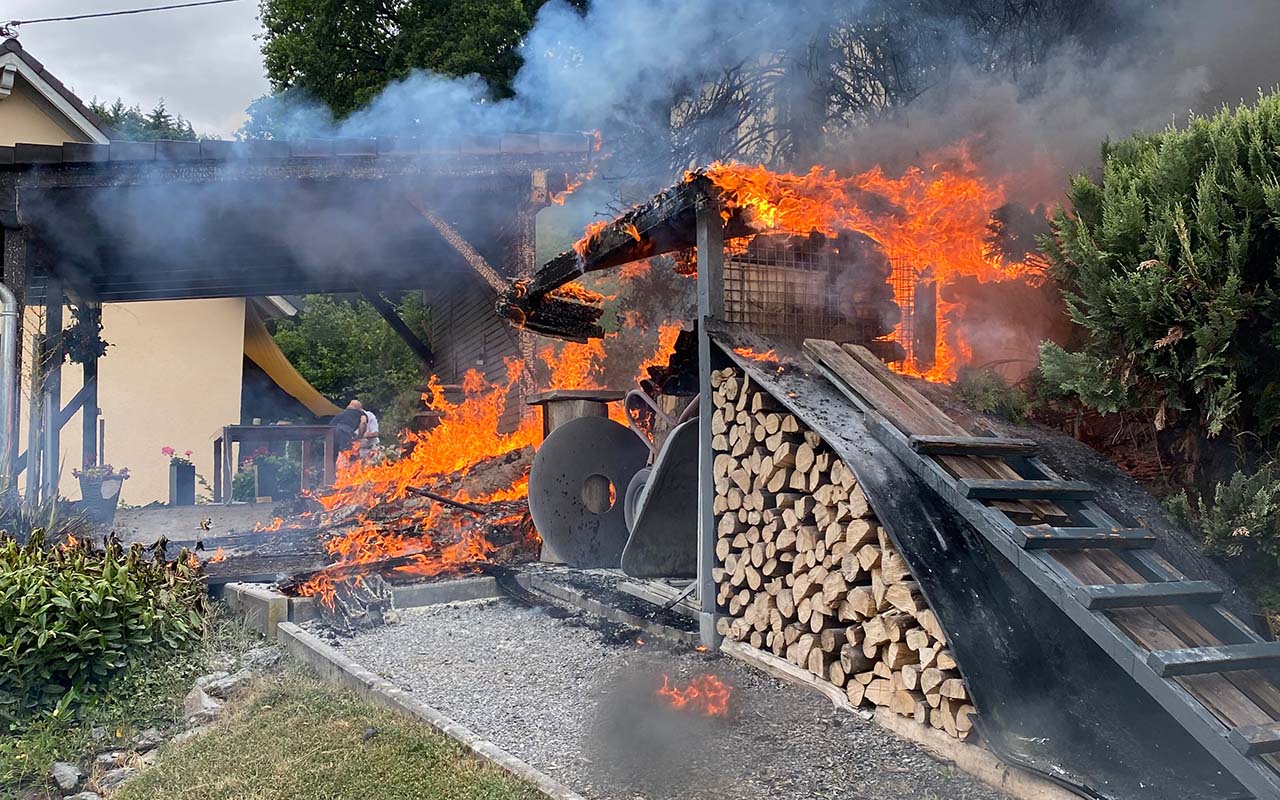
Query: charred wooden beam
[389, 313]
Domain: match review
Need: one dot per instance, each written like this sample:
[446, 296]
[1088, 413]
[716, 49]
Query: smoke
[1032, 131]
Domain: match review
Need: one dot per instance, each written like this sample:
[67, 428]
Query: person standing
[349, 426]
[369, 442]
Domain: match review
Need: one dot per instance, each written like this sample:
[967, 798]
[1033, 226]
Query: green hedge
[71, 616]
[1171, 268]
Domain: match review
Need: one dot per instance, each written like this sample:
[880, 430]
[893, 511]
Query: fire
[705, 694]
[932, 222]
[276, 524]
[571, 185]
[218, 557]
[468, 432]
[593, 230]
[747, 352]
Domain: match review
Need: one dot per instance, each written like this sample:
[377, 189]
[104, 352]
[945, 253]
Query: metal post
[8, 382]
[710, 307]
[35, 424]
[52, 399]
[89, 411]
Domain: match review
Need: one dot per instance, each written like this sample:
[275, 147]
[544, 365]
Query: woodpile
[805, 571]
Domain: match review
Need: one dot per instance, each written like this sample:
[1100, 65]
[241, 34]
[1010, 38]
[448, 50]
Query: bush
[1168, 267]
[1243, 521]
[71, 617]
[985, 391]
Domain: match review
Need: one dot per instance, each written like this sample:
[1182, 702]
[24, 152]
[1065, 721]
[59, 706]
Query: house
[176, 370]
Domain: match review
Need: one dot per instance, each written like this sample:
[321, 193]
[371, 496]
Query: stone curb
[336, 668]
[976, 760]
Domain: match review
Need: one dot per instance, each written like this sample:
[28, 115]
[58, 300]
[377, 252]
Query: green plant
[56, 519]
[1243, 520]
[72, 616]
[1168, 267]
[985, 391]
[82, 340]
[174, 458]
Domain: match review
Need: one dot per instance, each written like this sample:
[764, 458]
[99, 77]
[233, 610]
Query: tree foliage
[132, 124]
[344, 53]
[346, 350]
[1169, 267]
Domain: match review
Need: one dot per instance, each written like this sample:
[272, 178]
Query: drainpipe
[8, 380]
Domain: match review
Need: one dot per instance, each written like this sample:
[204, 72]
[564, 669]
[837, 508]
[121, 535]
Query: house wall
[172, 377]
[467, 334]
[25, 116]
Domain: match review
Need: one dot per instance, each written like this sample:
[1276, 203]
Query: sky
[203, 61]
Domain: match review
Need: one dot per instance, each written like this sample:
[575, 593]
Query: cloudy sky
[203, 61]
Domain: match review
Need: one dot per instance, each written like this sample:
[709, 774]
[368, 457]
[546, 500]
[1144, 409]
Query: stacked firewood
[805, 571]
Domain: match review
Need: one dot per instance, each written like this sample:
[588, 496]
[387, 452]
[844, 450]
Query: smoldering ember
[610, 399]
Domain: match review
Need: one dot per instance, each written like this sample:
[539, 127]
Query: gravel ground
[575, 697]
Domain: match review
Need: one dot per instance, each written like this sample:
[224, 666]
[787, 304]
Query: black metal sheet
[1048, 698]
[664, 538]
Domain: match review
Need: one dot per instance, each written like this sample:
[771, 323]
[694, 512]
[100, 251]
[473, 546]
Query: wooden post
[52, 402]
[89, 411]
[217, 469]
[710, 307]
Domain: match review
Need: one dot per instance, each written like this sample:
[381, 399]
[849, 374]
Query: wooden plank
[1256, 740]
[999, 489]
[1098, 597]
[1225, 658]
[972, 446]
[1046, 537]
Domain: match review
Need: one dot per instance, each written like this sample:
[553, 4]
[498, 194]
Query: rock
[205, 680]
[149, 758]
[188, 734]
[368, 733]
[199, 707]
[230, 686]
[109, 760]
[261, 659]
[66, 776]
[147, 740]
[98, 734]
[83, 796]
[116, 778]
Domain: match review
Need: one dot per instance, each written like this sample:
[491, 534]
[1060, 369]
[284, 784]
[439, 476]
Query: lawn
[296, 738]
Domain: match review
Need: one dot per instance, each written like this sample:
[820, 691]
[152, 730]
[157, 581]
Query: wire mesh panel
[903, 281]
[792, 288]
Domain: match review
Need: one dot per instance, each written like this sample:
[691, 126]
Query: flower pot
[182, 484]
[100, 497]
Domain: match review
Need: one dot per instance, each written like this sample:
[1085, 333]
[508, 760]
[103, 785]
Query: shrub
[1168, 267]
[985, 391]
[72, 616]
[1243, 521]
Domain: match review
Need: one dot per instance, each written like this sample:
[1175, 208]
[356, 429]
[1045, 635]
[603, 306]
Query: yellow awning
[262, 350]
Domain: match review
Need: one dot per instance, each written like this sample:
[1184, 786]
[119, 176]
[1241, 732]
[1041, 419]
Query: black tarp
[1048, 698]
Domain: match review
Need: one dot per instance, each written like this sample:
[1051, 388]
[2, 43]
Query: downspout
[8, 380]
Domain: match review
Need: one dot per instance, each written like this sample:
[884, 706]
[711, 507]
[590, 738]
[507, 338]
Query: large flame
[932, 221]
[467, 434]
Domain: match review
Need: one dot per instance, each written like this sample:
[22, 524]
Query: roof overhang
[12, 64]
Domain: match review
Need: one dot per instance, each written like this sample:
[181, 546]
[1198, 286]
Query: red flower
[167, 450]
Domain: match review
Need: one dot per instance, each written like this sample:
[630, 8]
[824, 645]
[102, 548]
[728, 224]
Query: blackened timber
[1098, 597]
[1256, 740]
[1223, 658]
[389, 313]
[972, 446]
[1046, 537]
[995, 489]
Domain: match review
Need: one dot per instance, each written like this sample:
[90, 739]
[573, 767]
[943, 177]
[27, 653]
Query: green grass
[296, 738]
[147, 693]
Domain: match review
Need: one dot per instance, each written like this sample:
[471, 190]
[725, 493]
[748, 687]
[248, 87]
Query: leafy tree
[344, 53]
[130, 123]
[346, 350]
[1169, 268]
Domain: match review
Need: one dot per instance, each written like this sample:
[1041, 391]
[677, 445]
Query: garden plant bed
[576, 698]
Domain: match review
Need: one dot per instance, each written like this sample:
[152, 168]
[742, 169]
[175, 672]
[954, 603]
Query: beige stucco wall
[27, 117]
[172, 377]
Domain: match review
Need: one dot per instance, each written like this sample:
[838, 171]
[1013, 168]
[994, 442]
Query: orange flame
[571, 185]
[930, 220]
[747, 352]
[218, 557]
[705, 694]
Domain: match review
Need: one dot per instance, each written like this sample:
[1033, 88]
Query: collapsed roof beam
[388, 311]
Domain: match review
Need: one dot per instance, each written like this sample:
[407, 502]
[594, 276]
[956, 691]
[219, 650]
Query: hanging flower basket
[82, 340]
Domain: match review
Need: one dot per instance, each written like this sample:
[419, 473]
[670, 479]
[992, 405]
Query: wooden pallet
[1201, 663]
